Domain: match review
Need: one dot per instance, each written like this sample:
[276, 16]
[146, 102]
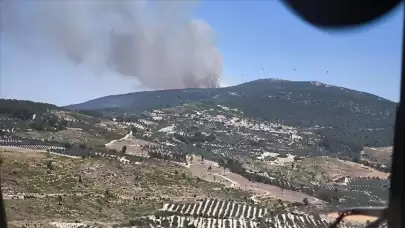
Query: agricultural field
[221, 175]
[366, 187]
[215, 213]
[320, 169]
[38, 185]
[378, 156]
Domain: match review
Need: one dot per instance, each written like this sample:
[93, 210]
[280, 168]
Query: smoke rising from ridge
[155, 42]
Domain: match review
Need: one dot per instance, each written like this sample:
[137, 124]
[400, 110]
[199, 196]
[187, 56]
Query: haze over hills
[358, 118]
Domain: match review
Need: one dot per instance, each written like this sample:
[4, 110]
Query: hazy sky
[249, 34]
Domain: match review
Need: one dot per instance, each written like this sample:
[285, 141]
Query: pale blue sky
[250, 34]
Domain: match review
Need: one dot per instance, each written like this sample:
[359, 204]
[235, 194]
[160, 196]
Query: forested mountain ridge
[24, 109]
[356, 118]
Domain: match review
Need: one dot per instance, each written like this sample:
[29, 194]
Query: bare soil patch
[134, 146]
[354, 218]
[34, 152]
[378, 155]
[359, 170]
[20, 150]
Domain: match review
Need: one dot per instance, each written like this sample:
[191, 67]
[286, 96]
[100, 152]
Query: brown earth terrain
[134, 146]
[354, 218]
[42, 186]
[199, 169]
[324, 168]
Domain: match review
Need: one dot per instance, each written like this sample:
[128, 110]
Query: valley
[196, 162]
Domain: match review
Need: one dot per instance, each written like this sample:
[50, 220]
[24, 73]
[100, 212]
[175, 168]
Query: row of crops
[287, 220]
[28, 145]
[369, 181]
[217, 209]
[357, 192]
[213, 213]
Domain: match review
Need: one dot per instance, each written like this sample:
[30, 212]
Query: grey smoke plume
[155, 42]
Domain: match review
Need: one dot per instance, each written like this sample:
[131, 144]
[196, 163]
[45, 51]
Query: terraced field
[278, 221]
[218, 209]
[226, 214]
[38, 185]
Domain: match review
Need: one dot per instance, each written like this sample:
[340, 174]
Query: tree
[108, 194]
[39, 126]
[67, 146]
[305, 201]
[60, 200]
[124, 149]
[82, 146]
[49, 165]
[134, 131]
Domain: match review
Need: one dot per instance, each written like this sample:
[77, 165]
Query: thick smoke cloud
[155, 42]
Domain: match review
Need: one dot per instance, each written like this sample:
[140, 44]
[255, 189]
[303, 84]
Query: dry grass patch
[134, 146]
[378, 155]
[322, 169]
[57, 187]
[217, 174]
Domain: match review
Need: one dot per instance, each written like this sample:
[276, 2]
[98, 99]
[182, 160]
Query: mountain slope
[46, 122]
[353, 115]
